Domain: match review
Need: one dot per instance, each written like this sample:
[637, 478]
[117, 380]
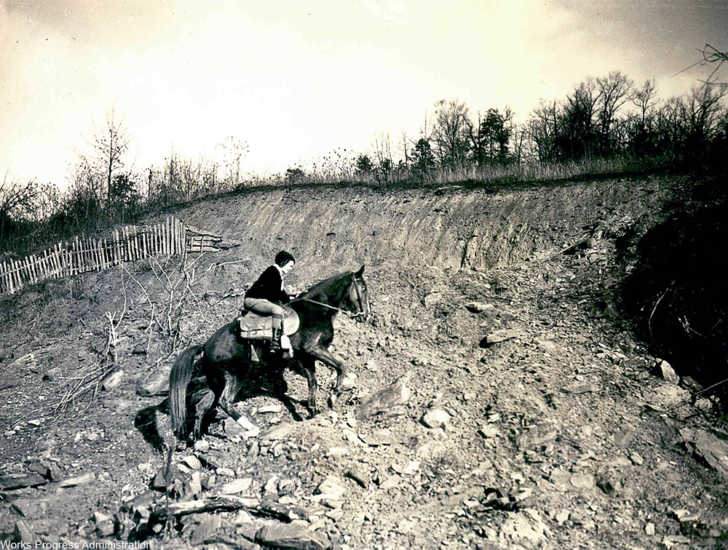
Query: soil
[560, 435]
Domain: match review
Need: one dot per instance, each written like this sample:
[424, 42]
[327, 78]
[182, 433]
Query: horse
[225, 358]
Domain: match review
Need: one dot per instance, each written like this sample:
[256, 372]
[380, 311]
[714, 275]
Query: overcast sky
[297, 78]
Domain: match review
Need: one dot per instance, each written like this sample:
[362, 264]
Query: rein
[338, 309]
[348, 313]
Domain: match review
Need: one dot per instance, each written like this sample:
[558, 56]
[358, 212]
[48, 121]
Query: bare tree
[614, 92]
[111, 144]
[645, 99]
[450, 132]
[16, 199]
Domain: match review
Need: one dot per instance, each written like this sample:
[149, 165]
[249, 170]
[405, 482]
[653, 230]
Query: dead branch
[654, 308]
[216, 503]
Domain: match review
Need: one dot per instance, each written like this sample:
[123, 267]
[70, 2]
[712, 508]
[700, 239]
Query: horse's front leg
[325, 356]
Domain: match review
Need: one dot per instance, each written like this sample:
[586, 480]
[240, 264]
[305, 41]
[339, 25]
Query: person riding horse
[267, 295]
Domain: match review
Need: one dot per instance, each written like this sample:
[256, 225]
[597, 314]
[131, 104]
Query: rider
[267, 294]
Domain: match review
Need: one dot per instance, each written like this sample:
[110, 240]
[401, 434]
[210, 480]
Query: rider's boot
[275, 344]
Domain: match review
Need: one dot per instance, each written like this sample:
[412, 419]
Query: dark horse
[225, 359]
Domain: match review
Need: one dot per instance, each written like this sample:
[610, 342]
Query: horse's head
[356, 300]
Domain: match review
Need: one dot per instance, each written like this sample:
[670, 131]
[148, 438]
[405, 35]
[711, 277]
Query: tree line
[608, 119]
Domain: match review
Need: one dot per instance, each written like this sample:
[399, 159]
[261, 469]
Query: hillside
[551, 427]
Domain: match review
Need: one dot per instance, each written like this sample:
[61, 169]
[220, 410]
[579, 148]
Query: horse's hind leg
[203, 400]
[230, 389]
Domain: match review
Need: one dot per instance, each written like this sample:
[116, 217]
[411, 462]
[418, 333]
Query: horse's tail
[179, 378]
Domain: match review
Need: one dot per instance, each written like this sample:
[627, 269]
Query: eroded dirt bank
[560, 435]
[455, 227]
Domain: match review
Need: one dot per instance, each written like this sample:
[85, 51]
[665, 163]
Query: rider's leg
[278, 314]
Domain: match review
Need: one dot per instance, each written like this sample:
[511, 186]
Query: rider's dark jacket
[269, 286]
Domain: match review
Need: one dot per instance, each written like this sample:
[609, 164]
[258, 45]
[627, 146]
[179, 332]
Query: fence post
[3, 282]
[163, 227]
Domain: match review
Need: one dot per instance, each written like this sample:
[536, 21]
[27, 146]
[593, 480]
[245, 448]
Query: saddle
[252, 326]
[260, 327]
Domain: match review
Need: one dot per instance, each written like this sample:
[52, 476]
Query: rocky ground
[508, 408]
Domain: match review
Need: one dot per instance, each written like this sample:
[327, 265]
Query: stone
[624, 437]
[291, 536]
[242, 517]
[279, 432]
[232, 428]
[580, 388]
[194, 485]
[78, 480]
[432, 298]
[666, 396]
[488, 431]
[192, 461]
[331, 487]
[379, 438]
[667, 372]
[386, 401]
[390, 482]
[359, 476]
[157, 385]
[430, 449]
[202, 446]
[609, 481]
[436, 418]
[526, 528]
[249, 429]
[582, 480]
[206, 529]
[650, 529]
[499, 336]
[287, 487]
[209, 482]
[536, 437]
[673, 540]
[31, 508]
[17, 481]
[711, 449]
[337, 452]
[562, 516]
[636, 459]
[348, 382]
[236, 486]
[105, 529]
[270, 409]
[113, 380]
[270, 489]
[477, 307]
[226, 472]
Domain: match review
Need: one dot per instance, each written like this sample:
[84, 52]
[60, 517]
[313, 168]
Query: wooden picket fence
[85, 254]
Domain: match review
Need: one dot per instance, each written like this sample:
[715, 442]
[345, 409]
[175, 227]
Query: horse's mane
[322, 286]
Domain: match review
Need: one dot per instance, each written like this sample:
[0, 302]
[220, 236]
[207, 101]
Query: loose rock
[386, 401]
[113, 381]
[436, 418]
[292, 536]
[667, 372]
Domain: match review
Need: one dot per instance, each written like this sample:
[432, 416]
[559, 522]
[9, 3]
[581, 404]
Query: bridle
[360, 303]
